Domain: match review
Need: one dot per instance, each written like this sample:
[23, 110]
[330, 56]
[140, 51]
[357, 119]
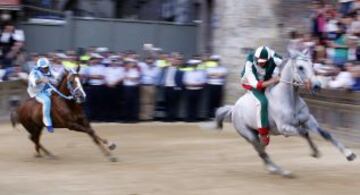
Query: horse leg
[252, 137]
[47, 152]
[289, 130]
[92, 134]
[110, 145]
[314, 126]
[35, 137]
[315, 152]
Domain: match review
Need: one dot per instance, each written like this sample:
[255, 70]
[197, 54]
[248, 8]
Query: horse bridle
[70, 87]
[295, 82]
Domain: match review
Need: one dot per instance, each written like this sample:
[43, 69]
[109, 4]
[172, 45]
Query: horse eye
[301, 68]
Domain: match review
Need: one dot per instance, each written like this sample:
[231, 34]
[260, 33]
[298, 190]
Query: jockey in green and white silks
[256, 76]
[39, 89]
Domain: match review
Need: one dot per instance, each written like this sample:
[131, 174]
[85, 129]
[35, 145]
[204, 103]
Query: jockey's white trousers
[45, 100]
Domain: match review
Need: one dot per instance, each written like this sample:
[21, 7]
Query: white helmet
[262, 54]
[42, 63]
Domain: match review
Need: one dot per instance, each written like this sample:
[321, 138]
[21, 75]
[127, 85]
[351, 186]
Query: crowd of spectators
[333, 42]
[124, 86]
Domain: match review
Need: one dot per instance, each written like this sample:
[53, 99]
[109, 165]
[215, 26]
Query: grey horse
[288, 113]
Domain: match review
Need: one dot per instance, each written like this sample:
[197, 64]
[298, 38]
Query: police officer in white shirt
[149, 76]
[172, 88]
[131, 84]
[216, 75]
[194, 81]
[56, 66]
[114, 76]
[95, 75]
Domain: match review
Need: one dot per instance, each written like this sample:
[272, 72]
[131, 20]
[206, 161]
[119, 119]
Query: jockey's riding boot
[264, 136]
[50, 129]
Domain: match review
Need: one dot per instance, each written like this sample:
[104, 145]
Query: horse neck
[63, 86]
[287, 91]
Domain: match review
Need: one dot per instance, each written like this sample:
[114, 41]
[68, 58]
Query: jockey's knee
[47, 101]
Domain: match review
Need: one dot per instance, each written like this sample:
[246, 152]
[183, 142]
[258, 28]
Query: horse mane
[62, 78]
[65, 74]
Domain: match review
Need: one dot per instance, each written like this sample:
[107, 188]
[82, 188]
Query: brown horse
[66, 113]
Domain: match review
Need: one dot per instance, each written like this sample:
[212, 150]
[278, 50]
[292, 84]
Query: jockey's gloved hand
[275, 79]
[45, 80]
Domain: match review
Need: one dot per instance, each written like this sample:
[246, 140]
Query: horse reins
[294, 83]
[70, 97]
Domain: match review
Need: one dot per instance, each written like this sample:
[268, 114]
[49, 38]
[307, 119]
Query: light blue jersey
[33, 88]
[41, 92]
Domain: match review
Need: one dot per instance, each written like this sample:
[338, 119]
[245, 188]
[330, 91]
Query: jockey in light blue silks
[256, 76]
[38, 88]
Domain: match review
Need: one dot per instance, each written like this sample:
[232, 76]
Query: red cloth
[263, 131]
[264, 136]
[259, 85]
[247, 87]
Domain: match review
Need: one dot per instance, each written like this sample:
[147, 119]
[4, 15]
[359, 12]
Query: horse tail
[14, 118]
[221, 114]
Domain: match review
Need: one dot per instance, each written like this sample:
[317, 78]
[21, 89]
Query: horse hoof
[112, 146]
[278, 171]
[53, 157]
[38, 156]
[351, 157]
[287, 174]
[272, 170]
[316, 154]
[113, 159]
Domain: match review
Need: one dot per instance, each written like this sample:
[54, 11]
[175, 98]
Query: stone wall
[242, 24]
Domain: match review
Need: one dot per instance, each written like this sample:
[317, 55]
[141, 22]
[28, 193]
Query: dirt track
[169, 159]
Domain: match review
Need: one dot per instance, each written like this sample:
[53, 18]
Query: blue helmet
[42, 63]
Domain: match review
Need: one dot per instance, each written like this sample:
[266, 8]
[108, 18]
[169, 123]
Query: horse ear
[305, 52]
[78, 69]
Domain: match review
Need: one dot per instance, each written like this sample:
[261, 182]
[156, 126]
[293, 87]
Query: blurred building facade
[179, 11]
[241, 25]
